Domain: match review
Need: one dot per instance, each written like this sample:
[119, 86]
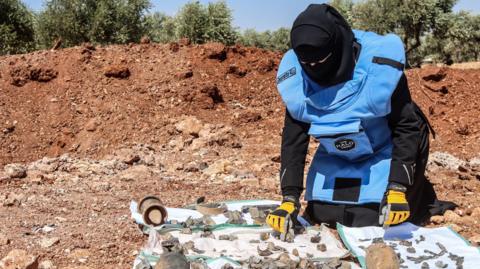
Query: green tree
[98, 21]
[161, 28]
[219, 27]
[16, 28]
[201, 23]
[192, 22]
[412, 20]
[276, 40]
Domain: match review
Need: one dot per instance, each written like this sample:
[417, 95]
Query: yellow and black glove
[284, 217]
[394, 207]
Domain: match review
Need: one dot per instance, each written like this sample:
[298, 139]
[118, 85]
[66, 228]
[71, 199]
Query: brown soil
[115, 110]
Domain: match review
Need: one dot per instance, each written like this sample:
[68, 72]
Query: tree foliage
[201, 23]
[17, 33]
[98, 21]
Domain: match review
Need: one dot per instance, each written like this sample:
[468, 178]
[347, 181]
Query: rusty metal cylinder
[153, 211]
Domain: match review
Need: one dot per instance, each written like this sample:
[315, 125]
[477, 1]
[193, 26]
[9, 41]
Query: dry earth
[88, 129]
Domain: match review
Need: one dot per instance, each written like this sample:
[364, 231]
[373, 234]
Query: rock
[451, 217]
[47, 264]
[127, 156]
[437, 219]
[476, 213]
[19, 259]
[15, 170]
[91, 125]
[136, 172]
[475, 240]
[218, 167]
[189, 125]
[14, 199]
[4, 240]
[215, 50]
[117, 71]
[381, 256]
[48, 242]
[445, 160]
[172, 260]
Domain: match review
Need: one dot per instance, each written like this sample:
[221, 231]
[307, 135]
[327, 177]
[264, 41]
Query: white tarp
[426, 242]
[219, 252]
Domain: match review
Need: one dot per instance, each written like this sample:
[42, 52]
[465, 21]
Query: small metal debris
[171, 245]
[199, 251]
[411, 250]
[421, 239]
[316, 239]
[227, 266]
[264, 252]
[433, 255]
[234, 217]
[254, 241]
[186, 231]
[264, 236]
[189, 245]
[457, 259]
[228, 237]
[207, 220]
[295, 252]
[364, 240]
[425, 265]
[441, 264]
[322, 247]
[405, 243]
[377, 240]
[208, 234]
[271, 246]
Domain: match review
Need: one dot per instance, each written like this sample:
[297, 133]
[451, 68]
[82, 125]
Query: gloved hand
[394, 207]
[285, 216]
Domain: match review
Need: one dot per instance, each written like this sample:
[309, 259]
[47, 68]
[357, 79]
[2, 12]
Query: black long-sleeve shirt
[403, 122]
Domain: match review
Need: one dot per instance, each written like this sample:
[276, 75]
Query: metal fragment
[457, 259]
[440, 264]
[421, 239]
[264, 252]
[316, 238]
[186, 231]
[425, 265]
[322, 247]
[411, 250]
[234, 217]
[405, 243]
[377, 240]
[264, 236]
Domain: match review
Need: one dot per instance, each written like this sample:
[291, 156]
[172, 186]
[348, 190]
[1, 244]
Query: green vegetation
[428, 28]
[17, 34]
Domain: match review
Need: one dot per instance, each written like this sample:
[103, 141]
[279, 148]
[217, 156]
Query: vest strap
[387, 61]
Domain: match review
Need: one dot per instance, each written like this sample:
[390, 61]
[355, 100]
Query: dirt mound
[131, 93]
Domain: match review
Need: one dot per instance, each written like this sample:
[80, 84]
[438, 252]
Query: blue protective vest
[352, 163]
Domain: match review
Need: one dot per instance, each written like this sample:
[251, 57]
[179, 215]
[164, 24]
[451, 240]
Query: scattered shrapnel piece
[152, 210]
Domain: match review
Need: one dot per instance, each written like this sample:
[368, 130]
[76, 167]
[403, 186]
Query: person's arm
[405, 126]
[295, 141]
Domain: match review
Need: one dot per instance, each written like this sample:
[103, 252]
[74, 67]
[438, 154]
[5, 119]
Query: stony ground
[83, 131]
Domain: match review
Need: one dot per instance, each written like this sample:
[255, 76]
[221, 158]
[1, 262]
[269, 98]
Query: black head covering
[320, 32]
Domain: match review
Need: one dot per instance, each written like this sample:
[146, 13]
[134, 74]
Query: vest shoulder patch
[286, 75]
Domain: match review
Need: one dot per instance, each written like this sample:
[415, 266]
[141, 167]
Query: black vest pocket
[347, 189]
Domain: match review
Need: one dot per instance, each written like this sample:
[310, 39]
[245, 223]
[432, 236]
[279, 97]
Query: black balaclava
[317, 32]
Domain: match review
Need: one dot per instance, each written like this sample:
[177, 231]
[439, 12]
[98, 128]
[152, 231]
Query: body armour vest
[352, 162]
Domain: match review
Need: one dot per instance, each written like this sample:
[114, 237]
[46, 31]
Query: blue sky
[260, 14]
